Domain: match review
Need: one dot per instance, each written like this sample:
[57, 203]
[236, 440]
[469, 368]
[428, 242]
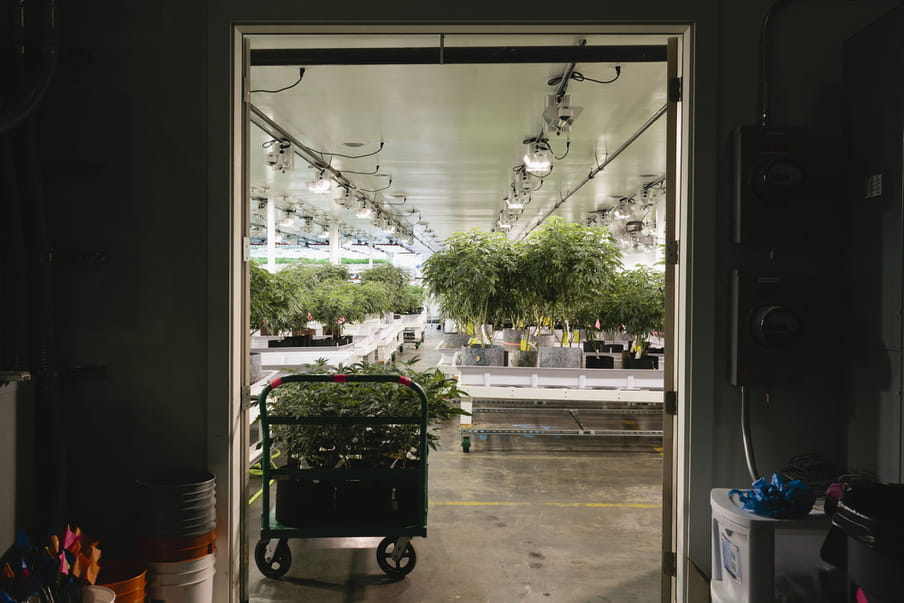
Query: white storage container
[758, 559]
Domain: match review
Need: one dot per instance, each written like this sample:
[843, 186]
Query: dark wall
[120, 152]
[805, 415]
[874, 98]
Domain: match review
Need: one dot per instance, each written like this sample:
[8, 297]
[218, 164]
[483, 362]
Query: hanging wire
[298, 81]
[350, 156]
[580, 77]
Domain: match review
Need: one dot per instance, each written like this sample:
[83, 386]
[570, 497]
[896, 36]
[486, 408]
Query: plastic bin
[867, 539]
[758, 559]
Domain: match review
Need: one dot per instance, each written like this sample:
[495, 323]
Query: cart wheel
[466, 444]
[396, 569]
[277, 563]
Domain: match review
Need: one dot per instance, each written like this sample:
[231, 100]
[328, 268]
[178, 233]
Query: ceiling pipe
[611, 157]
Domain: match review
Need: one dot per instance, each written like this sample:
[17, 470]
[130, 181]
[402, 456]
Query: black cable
[298, 81]
[580, 77]
[365, 190]
[373, 173]
[350, 156]
[746, 437]
[567, 148]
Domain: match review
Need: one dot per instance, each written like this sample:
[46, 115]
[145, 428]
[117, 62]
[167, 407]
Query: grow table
[337, 502]
[563, 402]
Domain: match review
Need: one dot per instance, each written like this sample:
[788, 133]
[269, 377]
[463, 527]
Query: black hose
[745, 436]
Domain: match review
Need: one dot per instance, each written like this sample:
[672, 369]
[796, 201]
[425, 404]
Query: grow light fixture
[363, 210]
[516, 200]
[289, 220]
[320, 185]
[560, 114]
[538, 157]
[282, 157]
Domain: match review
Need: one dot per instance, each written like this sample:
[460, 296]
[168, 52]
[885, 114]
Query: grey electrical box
[768, 327]
[770, 187]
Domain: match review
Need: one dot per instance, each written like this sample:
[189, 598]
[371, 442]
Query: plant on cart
[362, 446]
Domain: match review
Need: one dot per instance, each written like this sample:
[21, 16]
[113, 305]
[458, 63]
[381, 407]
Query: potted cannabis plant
[568, 266]
[640, 309]
[468, 278]
[356, 447]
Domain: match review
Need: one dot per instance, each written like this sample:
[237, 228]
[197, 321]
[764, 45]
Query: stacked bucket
[179, 521]
[126, 579]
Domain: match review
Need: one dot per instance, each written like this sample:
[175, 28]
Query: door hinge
[675, 89]
[670, 563]
[246, 397]
[671, 403]
[671, 252]
[246, 249]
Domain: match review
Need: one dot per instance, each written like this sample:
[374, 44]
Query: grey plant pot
[559, 357]
[512, 335]
[493, 355]
[255, 367]
[454, 340]
[523, 358]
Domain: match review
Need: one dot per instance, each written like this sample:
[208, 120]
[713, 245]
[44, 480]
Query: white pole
[271, 236]
[335, 244]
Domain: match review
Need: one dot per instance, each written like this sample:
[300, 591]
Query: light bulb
[364, 211]
[537, 159]
[321, 185]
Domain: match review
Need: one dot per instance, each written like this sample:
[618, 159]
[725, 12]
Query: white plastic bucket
[181, 581]
[97, 594]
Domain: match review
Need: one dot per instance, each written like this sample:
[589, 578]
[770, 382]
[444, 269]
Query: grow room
[518, 252]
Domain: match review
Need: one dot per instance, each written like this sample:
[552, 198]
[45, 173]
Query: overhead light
[363, 210]
[388, 227]
[324, 232]
[560, 114]
[515, 201]
[282, 157]
[289, 220]
[321, 185]
[538, 158]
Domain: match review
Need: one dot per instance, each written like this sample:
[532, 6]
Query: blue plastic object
[777, 499]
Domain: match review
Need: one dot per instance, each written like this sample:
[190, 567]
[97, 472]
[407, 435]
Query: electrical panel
[770, 187]
[768, 326]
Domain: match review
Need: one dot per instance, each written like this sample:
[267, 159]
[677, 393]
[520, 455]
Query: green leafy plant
[640, 303]
[362, 446]
[403, 297]
[565, 267]
[469, 279]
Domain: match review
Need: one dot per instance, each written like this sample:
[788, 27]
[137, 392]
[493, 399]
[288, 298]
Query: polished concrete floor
[516, 519]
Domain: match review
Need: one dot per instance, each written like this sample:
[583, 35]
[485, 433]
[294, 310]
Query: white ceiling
[453, 134]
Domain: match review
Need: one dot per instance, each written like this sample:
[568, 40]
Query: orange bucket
[185, 548]
[127, 579]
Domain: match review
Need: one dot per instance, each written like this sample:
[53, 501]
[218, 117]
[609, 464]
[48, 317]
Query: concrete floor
[516, 519]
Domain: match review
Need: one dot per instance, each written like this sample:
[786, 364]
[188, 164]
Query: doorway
[466, 212]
